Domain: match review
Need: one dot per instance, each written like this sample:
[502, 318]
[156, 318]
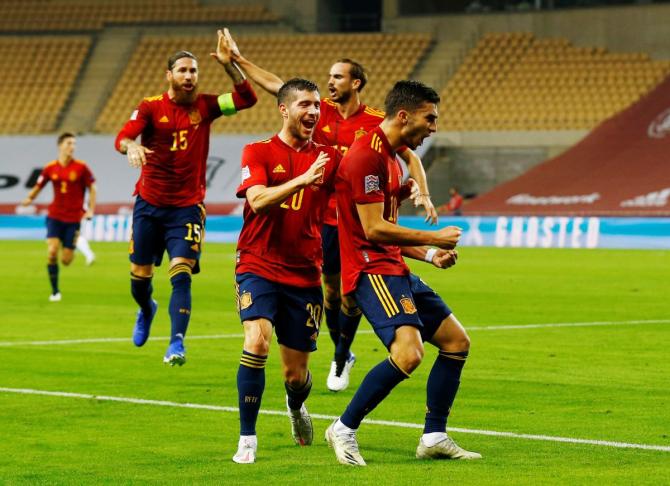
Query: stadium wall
[503, 231]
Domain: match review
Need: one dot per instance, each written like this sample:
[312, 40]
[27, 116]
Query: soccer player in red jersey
[70, 178]
[402, 309]
[169, 213]
[287, 181]
[344, 118]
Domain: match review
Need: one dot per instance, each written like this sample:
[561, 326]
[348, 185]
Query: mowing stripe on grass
[388, 423]
[362, 331]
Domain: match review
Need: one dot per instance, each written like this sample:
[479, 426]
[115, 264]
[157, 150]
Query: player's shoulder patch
[154, 98]
[51, 164]
[329, 102]
[267, 140]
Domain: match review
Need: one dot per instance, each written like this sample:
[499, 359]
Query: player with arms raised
[169, 213]
[287, 181]
[403, 310]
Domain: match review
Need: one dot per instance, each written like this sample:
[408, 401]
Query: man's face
[418, 124]
[340, 83]
[67, 146]
[301, 113]
[183, 79]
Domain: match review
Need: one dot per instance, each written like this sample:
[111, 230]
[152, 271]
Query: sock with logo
[250, 386]
[376, 386]
[52, 268]
[141, 290]
[443, 382]
[180, 300]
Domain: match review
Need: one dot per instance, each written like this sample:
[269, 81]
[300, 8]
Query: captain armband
[227, 104]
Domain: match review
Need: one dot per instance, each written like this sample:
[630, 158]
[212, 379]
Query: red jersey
[336, 131]
[368, 173]
[70, 183]
[284, 244]
[174, 174]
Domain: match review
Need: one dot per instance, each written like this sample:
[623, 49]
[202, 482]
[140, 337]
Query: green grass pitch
[605, 382]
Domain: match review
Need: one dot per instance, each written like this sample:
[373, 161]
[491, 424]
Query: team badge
[245, 300]
[195, 117]
[72, 176]
[371, 183]
[408, 305]
[359, 133]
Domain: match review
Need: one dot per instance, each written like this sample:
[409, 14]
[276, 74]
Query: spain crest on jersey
[195, 117]
[73, 176]
[359, 133]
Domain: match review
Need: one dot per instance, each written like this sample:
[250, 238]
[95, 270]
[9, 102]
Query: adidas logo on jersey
[165, 119]
[326, 129]
[279, 169]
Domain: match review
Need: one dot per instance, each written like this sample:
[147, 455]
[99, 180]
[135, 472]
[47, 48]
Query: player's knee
[256, 343]
[409, 357]
[295, 376]
[350, 307]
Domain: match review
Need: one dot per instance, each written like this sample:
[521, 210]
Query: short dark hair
[408, 95]
[63, 136]
[178, 55]
[292, 85]
[357, 71]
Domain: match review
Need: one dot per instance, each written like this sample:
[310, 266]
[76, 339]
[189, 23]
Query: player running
[169, 213]
[70, 178]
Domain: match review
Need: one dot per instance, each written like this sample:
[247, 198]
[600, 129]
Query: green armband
[227, 104]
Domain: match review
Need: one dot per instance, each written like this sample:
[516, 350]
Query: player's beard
[182, 96]
[341, 97]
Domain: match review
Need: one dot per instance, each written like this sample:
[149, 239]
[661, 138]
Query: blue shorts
[295, 312]
[331, 250]
[180, 231]
[391, 301]
[67, 233]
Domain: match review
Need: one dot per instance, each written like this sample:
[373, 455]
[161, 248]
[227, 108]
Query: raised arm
[418, 173]
[244, 96]
[270, 82]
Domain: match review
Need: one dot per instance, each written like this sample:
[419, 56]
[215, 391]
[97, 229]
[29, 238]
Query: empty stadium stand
[516, 81]
[77, 15]
[42, 74]
[387, 57]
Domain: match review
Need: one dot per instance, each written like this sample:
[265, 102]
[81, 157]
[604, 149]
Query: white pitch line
[388, 423]
[362, 331]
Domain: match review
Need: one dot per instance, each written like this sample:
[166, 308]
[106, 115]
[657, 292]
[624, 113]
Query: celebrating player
[70, 179]
[402, 309]
[287, 181]
[169, 213]
[344, 118]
